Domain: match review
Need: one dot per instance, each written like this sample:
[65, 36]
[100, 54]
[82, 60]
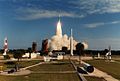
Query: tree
[106, 51]
[18, 55]
[64, 49]
[30, 51]
[80, 50]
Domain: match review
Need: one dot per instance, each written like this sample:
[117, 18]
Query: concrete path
[99, 73]
[82, 78]
[21, 72]
[32, 66]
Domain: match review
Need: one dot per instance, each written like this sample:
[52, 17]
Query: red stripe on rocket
[5, 44]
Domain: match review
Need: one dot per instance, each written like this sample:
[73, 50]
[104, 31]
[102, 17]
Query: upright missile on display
[5, 46]
[71, 44]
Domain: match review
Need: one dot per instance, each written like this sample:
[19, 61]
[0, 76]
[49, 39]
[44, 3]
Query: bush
[10, 63]
[6, 57]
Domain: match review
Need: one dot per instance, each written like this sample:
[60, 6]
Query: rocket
[71, 44]
[5, 46]
[59, 29]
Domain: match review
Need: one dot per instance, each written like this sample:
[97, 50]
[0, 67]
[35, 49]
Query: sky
[95, 21]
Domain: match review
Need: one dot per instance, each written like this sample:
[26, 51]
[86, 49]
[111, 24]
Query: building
[34, 47]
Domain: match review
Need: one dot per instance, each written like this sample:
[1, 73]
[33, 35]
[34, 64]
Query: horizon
[94, 21]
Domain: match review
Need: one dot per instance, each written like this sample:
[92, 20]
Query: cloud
[68, 8]
[94, 25]
[32, 14]
[100, 24]
[98, 6]
[115, 22]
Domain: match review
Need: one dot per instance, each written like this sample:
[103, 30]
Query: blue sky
[94, 21]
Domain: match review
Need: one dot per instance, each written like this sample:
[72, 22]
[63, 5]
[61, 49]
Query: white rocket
[5, 46]
[71, 44]
[59, 29]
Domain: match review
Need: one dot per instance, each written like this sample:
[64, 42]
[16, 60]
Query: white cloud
[99, 24]
[77, 8]
[31, 14]
[115, 22]
[94, 25]
[98, 6]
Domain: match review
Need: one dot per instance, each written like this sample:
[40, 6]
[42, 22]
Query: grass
[21, 64]
[57, 66]
[91, 78]
[117, 61]
[42, 77]
[28, 63]
[112, 68]
[60, 66]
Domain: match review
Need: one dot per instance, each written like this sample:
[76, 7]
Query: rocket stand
[5, 55]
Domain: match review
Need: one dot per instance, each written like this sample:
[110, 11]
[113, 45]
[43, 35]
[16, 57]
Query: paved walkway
[96, 72]
[82, 78]
[21, 72]
[99, 73]
[32, 66]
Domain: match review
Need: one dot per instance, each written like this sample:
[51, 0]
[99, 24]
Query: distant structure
[32, 52]
[34, 47]
[44, 46]
[5, 46]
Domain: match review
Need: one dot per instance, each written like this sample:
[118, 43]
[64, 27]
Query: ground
[56, 71]
[111, 68]
[60, 70]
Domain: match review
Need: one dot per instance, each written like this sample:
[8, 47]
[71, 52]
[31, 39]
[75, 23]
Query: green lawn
[112, 68]
[28, 63]
[21, 64]
[118, 61]
[90, 78]
[61, 66]
[116, 57]
[34, 76]
[42, 77]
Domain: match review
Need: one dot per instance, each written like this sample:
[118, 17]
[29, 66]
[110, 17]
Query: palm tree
[80, 50]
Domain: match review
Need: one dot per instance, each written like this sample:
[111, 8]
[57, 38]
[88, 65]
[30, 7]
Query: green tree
[64, 49]
[30, 51]
[80, 50]
[17, 55]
